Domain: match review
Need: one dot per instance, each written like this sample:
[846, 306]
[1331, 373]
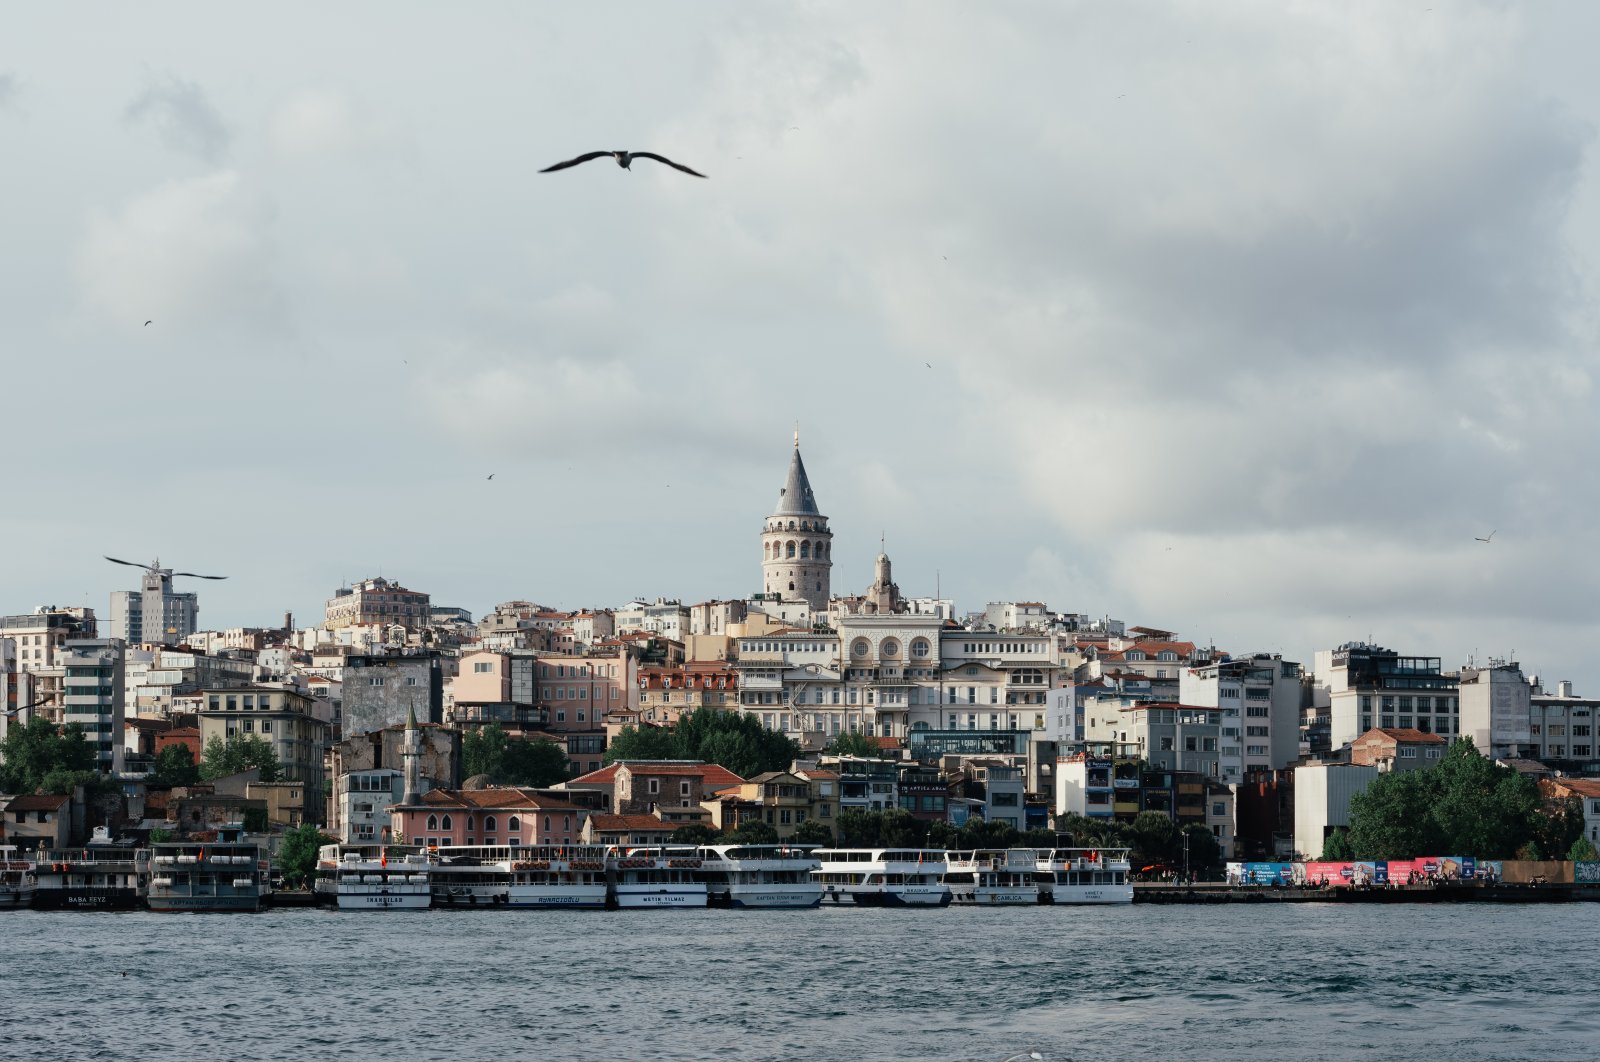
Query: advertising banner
[1330, 873]
[1448, 868]
[1268, 873]
[1586, 872]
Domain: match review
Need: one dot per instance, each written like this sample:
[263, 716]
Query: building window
[446, 823]
[433, 822]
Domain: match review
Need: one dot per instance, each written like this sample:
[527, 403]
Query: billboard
[1447, 868]
[1326, 873]
[1586, 872]
[1261, 873]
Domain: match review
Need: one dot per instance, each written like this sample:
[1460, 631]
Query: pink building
[511, 817]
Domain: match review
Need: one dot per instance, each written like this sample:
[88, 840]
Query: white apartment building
[92, 695]
[1368, 686]
[1496, 709]
[1561, 727]
[1259, 698]
[1322, 793]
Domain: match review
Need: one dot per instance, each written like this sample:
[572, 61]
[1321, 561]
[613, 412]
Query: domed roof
[478, 781]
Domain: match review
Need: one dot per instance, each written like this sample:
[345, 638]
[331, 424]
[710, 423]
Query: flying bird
[491, 475]
[147, 324]
[157, 568]
[1476, 538]
[624, 159]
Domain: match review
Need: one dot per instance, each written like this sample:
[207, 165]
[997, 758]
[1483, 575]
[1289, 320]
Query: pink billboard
[1330, 873]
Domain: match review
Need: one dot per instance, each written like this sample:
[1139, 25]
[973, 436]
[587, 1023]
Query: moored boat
[206, 875]
[883, 877]
[1084, 875]
[993, 878]
[468, 876]
[559, 876]
[759, 875]
[101, 875]
[366, 878]
[654, 877]
[17, 881]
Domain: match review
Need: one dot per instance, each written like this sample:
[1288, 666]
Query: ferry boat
[17, 881]
[654, 877]
[559, 876]
[206, 875]
[883, 877]
[1084, 875]
[100, 876]
[994, 878]
[468, 876]
[364, 878]
[759, 875]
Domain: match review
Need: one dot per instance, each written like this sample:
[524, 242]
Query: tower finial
[797, 435]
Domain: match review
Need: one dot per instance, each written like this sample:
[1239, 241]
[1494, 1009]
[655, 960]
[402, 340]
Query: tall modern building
[154, 613]
[93, 695]
[1366, 686]
[796, 545]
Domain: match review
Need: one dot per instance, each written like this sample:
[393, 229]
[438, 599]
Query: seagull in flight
[156, 568]
[491, 475]
[1476, 538]
[147, 324]
[624, 159]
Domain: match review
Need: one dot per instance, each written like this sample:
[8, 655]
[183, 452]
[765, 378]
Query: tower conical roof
[796, 498]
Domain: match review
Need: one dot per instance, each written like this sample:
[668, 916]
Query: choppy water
[1273, 981]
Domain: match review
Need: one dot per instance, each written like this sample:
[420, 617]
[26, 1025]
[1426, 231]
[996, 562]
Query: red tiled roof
[494, 799]
[1406, 734]
[616, 823]
[1584, 787]
[606, 775]
[1169, 704]
[36, 802]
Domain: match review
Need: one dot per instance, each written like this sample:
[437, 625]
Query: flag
[383, 860]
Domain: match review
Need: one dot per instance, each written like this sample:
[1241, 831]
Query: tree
[160, 835]
[483, 751]
[1560, 826]
[1337, 849]
[1205, 854]
[297, 854]
[754, 831]
[1583, 851]
[851, 743]
[859, 829]
[241, 752]
[695, 833]
[175, 766]
[812, 831]
[642, 743]
[978, 833]
[39, 750]
[1154, 837]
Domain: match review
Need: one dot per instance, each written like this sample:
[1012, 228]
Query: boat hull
[575, 896]
[906, 897]
[771, 896]
[230, 904]
[385, 900]
[15, 898]
[996, 896]
[639, 897]
[1072, 895]
[115, 899]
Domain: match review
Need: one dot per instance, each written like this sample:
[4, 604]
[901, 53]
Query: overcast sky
[1242, 320]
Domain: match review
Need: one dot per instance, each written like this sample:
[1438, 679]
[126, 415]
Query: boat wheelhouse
[206, 875]
[759, 875]
[99, 876]
[366, 878]
[661, 876]
[17, 881]
[883, 877]
[994, 878]
[559, 876]
[1084, 875]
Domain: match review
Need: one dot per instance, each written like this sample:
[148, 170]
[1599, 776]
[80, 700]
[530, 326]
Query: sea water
[1272, 981]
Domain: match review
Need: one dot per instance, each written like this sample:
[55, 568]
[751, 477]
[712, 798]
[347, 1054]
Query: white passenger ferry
[654, 877]
[558, 876]
[993, 878]
[207, 875]
[759, 875]
[883, 877]
[364, 878]
[17, 881]
[1085, 875]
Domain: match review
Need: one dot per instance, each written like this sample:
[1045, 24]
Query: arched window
[488, 823]
[791, 525]
[805, 551]
[790, 549]
[547, 824]
[433, 822]
[919, 648]
[514, 823]
[791, 584]
[446, 824]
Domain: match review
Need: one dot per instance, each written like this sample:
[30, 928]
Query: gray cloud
[183, 117]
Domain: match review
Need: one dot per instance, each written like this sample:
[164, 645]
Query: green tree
[175, 766]
[901, 829]
[1039, 838]
[539, 762]
[1560, 826]
[1205, 854]
[1080, 831]
[755, 831]
[943, 835]
[812, 831]
[980, 833]
[695, 833]
[1583, 851]
[38, 750]
[297, 855]
[239, 753]
[859, 829]
[850, 743]
[483, 751]
[1155, 839]
[1337, 849]
[160, 835]
[642, 743]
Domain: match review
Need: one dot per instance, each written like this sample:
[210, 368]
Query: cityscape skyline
[1241, 325]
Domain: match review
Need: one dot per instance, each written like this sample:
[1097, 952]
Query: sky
[1239, 320]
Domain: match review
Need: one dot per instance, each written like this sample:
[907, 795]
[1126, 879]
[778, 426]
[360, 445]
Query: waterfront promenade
[1441, 892]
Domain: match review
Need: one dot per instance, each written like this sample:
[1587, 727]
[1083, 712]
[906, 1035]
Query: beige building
[285, 719]
[778, 798]
[377, 602]
[1396, 749]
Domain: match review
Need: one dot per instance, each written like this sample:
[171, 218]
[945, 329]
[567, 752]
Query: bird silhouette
[147, 324]
[624, 159]
[491, 475]
[929, 364]
[155, 568]
[1476, 538]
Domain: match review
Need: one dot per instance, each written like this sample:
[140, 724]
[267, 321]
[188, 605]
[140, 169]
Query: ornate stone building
[796, 545]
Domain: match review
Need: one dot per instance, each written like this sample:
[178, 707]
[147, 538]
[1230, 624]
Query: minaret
[796, 545]
[411, 760]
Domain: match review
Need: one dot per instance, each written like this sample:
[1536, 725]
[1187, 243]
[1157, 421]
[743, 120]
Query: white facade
[1322, 793]
[796, 545]
[1259, 696]
[1561, 725]
[92, 696]
[1495, 709]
